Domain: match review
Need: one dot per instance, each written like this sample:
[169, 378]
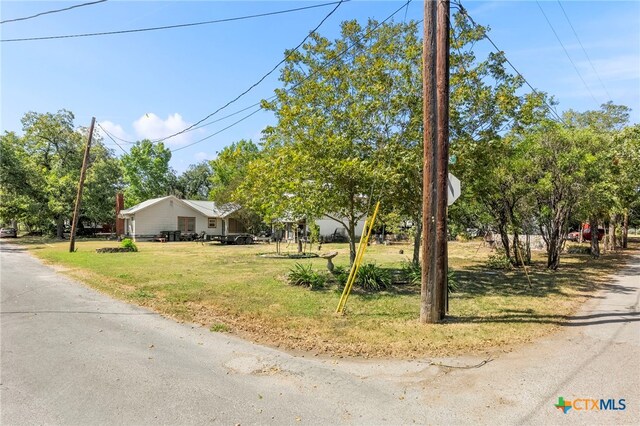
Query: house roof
[143, 205]
[210, 208]
[207, 208]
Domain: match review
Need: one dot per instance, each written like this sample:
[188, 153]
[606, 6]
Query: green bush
[373, 278]
[452, 284]
[412, 273]
[341, 275]
[499, 260]
[304, 275]
[128, 243]
[579, 250]
[314, 233]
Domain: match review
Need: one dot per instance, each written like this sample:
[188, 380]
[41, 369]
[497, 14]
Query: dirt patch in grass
[231, 289]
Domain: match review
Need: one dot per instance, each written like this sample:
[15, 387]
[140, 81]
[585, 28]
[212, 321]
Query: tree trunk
[580, 236]
[352, 241]
[612, 233]
[625, 229]
[60, 227]
[595, 245]
[553, 253]
[516, 252]
[528, 250]
[504, 237]
[416, 242]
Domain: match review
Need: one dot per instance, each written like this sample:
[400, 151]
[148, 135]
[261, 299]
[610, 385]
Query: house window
[186, 224]
[236, 227]
[213, 222]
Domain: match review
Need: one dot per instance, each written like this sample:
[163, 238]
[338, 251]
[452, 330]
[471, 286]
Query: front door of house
[223, 227]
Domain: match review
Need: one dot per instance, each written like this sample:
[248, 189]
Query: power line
[346, 49]
[261, 78]
[219, 131]
[566, 52]
[52, 11]
[111, 137]
[205, 124]
[584, 50]
[485, 35]
[166, 27]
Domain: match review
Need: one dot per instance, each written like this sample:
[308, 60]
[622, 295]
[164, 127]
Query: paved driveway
[73, 356]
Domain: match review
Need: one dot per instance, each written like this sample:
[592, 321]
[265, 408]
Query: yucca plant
[304, 275]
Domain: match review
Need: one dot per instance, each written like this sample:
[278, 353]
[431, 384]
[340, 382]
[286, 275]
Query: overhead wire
[261, 78]
[51, 11]
[167, 27]
[584, 50]
[566, 52]
[219, 131]
[312, 74]
[111, 137]
[485, 35]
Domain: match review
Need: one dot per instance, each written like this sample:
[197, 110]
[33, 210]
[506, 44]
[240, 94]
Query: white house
[148, 219]
[328, 228]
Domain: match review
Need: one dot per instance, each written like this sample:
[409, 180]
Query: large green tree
[52, 143]
[338, 115]
[228, 171]
[195, 182]
[229, 168]
[40, 173]
[146, 172]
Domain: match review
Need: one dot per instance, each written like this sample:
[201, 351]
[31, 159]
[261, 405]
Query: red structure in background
[586, 232]
[119, 207]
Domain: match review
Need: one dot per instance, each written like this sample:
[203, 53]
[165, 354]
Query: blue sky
[155, 83]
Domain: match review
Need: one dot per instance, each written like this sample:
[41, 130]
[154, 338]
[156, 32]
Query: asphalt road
[70, 355]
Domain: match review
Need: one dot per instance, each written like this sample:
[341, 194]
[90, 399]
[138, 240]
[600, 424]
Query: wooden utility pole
[76, 210]
[429, 297]
[442, 82]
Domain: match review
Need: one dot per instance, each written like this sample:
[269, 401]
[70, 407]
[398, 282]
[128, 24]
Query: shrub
[341, 275]
[129, 244]
[579, 250]
[452, 284]
[373, 278]
[412, 272]
[314, 233]
[304, 275]
[499, 260]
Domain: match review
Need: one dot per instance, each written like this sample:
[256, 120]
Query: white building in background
[147, 220]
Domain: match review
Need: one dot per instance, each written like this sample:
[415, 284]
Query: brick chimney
[119, 206]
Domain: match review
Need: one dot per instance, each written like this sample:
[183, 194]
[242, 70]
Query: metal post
[76, 210]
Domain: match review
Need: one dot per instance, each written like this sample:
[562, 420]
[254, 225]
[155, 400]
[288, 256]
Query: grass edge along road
[233, 289]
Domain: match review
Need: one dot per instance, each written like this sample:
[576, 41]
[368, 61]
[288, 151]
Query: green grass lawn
[233, 289]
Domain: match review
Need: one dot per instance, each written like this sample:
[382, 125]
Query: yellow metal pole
[359, 256]
[352, 271]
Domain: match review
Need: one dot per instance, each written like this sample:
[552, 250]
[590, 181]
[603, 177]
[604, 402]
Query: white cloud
[150, 126]
[114, 129]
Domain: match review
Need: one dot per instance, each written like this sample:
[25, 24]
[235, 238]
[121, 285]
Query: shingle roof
[207, 208]
[210, 208]
[142, 205]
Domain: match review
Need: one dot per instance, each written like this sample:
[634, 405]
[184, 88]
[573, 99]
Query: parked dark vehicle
[8, 233]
